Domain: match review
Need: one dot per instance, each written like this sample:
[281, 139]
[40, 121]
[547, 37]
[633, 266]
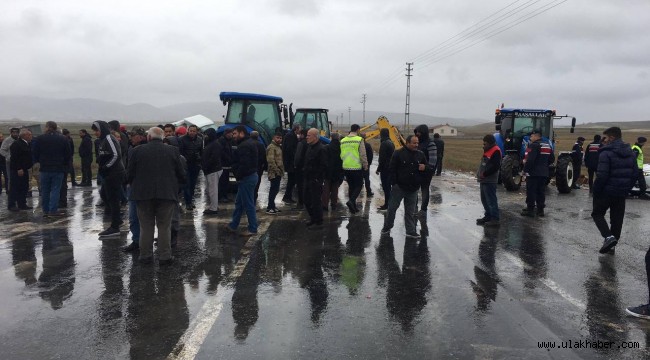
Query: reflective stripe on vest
[350, 152]
[639, 158]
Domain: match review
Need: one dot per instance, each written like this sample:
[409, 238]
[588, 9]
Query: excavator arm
[383, 123]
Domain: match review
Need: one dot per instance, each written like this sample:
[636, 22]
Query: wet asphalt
[343, 291]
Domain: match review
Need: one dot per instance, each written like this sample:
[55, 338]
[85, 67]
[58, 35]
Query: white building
[444, 130]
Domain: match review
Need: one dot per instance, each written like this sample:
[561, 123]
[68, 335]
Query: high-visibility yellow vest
[639, 158]
[350, 152]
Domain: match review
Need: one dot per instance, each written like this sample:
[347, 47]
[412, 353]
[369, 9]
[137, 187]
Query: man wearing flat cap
[576, 157]
[640, 179]
[539, 156]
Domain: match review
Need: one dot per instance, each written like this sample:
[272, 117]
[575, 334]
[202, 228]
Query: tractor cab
[261, 113]
[309, 118]
[514, 126]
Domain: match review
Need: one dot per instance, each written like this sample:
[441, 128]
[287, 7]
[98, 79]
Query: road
[345, 291]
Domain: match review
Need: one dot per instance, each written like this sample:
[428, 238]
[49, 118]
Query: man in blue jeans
[52, 151]
[245, 169]
[488, 177]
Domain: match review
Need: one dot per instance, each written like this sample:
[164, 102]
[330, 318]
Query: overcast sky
[587, 58]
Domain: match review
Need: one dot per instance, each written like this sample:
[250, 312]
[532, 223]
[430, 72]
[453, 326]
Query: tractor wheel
[510, 173]
[564, 174]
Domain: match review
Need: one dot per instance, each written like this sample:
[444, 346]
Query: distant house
[444, 130]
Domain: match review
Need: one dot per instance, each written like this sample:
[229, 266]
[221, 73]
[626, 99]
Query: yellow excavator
[383, 123]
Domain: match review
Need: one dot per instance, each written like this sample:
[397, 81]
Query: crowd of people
[154, 170]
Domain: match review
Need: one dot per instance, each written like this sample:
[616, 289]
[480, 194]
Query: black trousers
[438, 165]
[425, 187]
[647, 271]
[291, 182]
[640, 181]
[223, 184]
[355, 183]
[112, 185]
[259, 181]
[616, 206]
[86, 171]
[299, 186]
[312, 191]
[536, 192]
[18, 189]
[366, 181]
[592, 173]
[577, 169]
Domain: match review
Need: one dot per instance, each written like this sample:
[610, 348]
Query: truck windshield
[262, 116]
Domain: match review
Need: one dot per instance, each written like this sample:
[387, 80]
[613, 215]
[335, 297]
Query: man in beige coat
[275, 171]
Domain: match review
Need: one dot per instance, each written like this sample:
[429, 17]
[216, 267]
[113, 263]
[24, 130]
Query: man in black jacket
[591, 160]
[289, 147]
[20, 161]
[430, 151]
[614, 179]
[440, 152]
[314, 168]
[576, 159]
[386, 150]
[52, 151]
[539, 155]
[155, 172]
[333, 174]
[407, 168]
[245, 168]
[488, 177]
[225, 144]
[262, 164]
[111, 169]
[366, 173]
[298, 164]
[191, 147]
[86, 155]
[211, 164]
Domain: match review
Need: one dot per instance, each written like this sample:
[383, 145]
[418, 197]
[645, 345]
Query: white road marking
[190, 343]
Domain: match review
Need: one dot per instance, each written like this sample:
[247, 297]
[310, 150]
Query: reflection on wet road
[461, 291]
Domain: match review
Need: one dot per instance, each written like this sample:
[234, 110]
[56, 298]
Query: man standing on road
[52, 151]
[408, 168]
[366, 173]
[111, 170]
[225, 142]
[289, 147]
[386, 149]
[576, 157]
[191, 147]
[591, 160]
[333, 174]
[313, 176]
[20, 153]
[261, 158]
[71, 170]
[275, 171]
[138, 137]
[430, 151]
[211, 164]
[640, 178]
[488, 177]
[614, 179]
[245, 168]
[155, 171]
[4, 178]
[355, 161]
[539, 156]
[4, 151]
[440, 147]
[86, 155]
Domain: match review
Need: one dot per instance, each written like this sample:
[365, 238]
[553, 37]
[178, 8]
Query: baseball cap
[641, 139]
[581, 138]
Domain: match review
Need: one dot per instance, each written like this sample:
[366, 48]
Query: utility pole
[407, 110]
[363, 101]
[349, 116]
[342, 120]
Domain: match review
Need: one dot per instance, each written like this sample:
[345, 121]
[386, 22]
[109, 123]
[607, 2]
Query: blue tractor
[262, 113]
[514, 126]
